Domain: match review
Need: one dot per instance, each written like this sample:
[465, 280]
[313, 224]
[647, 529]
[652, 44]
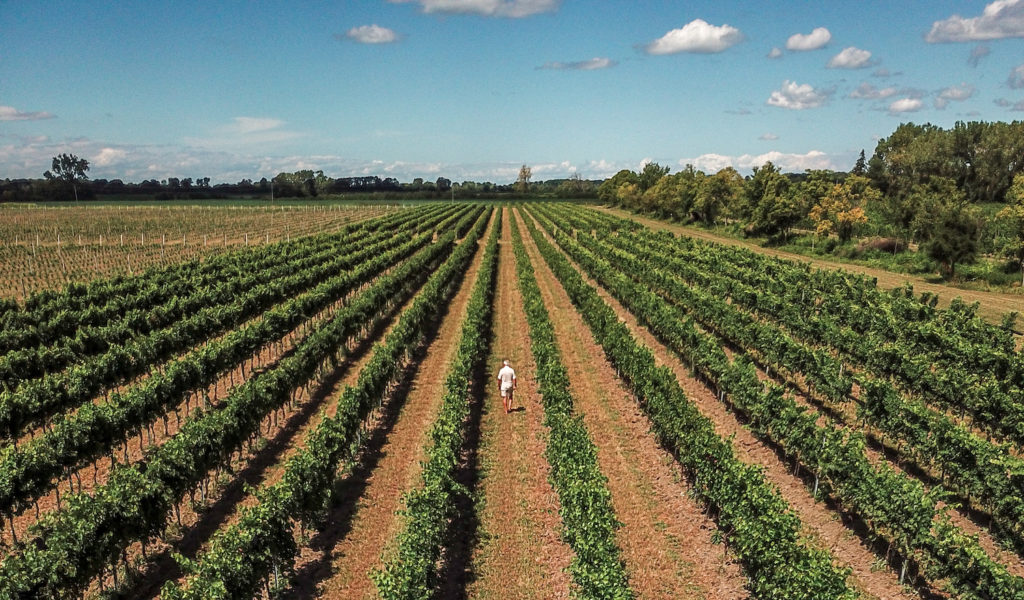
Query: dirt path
[666, 536]
[521, 554]
[993, 304]
[820, 523]
[373, 519]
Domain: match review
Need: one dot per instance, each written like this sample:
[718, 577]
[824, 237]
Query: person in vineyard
[507, 384]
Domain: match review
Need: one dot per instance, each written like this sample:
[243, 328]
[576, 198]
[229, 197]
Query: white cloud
[29, 156]
[905, 105]
[697, 36]
[979, 52]
[867, 91]
[584, 65]
[768, 137]
[489, 8]
[775, 52]
[109, 156]
[1019, 107]
[999, 19]
[372, 34]
[9, 113]
[954, 93]
[796, 96]
[850, 58]
[710, 163]
[811, 41]
[247, 125]
[1016, 79]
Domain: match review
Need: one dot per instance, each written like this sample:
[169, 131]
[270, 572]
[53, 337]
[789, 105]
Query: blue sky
[472, 89]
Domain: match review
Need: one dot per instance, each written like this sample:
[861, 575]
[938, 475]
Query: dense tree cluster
[923, 185]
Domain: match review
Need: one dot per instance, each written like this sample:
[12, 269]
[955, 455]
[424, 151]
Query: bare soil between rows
[520, 553]
[824, 527]
[364, 520]
[666, 538]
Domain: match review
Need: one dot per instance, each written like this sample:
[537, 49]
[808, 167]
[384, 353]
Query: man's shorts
[505, 387]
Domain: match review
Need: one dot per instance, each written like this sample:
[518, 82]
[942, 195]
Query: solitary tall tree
[69, 169]
[523, 183]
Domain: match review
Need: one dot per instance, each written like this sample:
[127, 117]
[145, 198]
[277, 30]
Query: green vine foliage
[588, 519]
[894, 506]
[93, 430]
[431, 510]
[75, 544]
[264, 534]
[758, 524]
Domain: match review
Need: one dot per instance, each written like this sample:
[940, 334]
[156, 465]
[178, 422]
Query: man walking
[507, 384]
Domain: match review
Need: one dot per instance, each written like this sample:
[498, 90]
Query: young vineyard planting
[318, 415]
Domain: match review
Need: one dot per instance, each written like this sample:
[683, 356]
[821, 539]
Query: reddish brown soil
[343, 569]
[824, 526]
[89, 477]
[993, 304]
[520, 554]
[267, 466]
[666, 535]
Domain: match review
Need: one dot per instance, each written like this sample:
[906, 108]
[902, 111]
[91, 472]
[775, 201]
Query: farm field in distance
[300, 402]
[43, 247]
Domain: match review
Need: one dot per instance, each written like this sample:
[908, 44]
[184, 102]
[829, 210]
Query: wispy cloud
[905, 105]
[866, 91]
[810, 41]
[775, 52]
[512, 9]
[245, 131]
[796, 96]
[851, 58]
[697, 36]
[999, 19]
[583, 65]
[815, 159]
[9, 113]
[1016, 79]
[883, 73]
[370, 34]
[977, 53]
[768, 137]
[953, 93]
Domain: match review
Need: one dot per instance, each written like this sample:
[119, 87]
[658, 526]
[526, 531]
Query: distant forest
[300, 184]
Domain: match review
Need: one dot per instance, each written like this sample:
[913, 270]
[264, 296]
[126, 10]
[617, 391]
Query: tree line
[938, 189]
[67, 180]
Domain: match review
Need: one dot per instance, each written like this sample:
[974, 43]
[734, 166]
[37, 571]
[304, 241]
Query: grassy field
[44, 247]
